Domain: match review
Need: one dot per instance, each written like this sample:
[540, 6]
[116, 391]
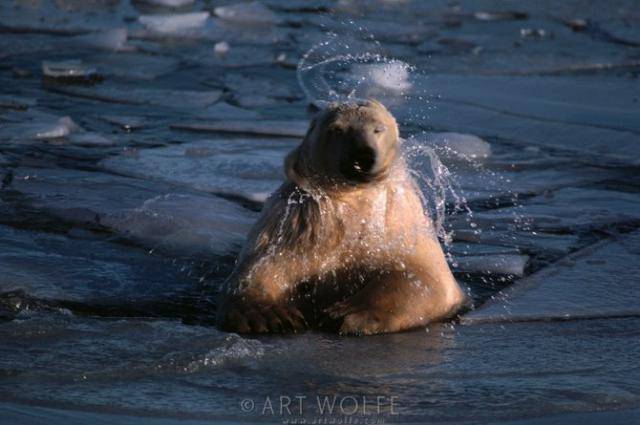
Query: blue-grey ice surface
[138, 139]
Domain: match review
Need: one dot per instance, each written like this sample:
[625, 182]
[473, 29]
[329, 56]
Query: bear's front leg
[422, 291]
[389, 303]
[256, 299]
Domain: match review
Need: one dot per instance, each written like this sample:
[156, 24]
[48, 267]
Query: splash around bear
[344, 244]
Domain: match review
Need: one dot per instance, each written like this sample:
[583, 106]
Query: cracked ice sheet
[57, 18]
[297, 128]
[493, 264]
[597, 102]
[522, 116]
[156, 216]
[483, 186]
[568, 209]
[111, 93]
[247, 168]
[597, 281]
[53, 266]
[503, 50]
[524, 241]
[482, 175]
[34, 125]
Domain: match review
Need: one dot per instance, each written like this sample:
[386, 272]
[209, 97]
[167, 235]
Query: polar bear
[344, 244]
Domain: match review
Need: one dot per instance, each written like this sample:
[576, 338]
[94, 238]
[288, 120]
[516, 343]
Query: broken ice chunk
[501, 16]
[60, 128]
[46, 127]
[245, 168]
[170, 3]
[221, 48]
[503, 264]
[569, 209]
[459, 147]
[54, 266]
[254, 13]
[81, 196]
[175, 24]
[539, 243]
[114, 39]
[187, 224]
[69, 71]
[475, 249]
[262, 127]
[16, 102]
[597, 281]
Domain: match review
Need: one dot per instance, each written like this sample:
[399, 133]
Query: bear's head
[347, 143]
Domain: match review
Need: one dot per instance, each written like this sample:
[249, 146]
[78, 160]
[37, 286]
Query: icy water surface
[138, 140]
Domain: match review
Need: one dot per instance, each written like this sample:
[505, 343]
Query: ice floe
[186, 224]
[456, 146]
[547, 244]
[500, 264]
[113, 39]
[597, 281]
[570, 209]
[16, 102]
[71, 70]
[246, 168]
[51, 266]
[559, 113]
[156, 216]
[221, 48]
[253, 13]
[42, 127]
[36, 125]
[169, 3]
[175, 24]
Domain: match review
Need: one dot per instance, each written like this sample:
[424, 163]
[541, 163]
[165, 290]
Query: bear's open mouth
[359, 166]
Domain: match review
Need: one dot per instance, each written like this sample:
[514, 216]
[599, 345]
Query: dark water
[130, 175]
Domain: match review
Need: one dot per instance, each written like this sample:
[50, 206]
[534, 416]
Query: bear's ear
[291, 164]
[375, 103]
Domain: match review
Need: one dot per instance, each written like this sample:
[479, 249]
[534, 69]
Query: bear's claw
[263, 318]
[352, 320]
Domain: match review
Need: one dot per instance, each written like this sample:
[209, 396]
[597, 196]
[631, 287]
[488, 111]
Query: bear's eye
[380, 129]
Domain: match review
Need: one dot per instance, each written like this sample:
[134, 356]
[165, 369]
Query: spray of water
[335, 70]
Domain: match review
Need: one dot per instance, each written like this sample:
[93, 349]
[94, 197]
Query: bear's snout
[359, 163]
